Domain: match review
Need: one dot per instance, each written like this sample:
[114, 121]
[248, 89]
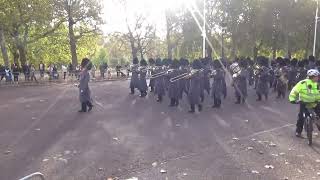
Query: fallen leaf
[115, 139]
[45, 160]
[63, 160]
[246, 121]
[133, 178]
[276, 155]
[299, 171]
[269, 167]
[185, 174]
[286, 163]
[254, 172]
[37, 129]
[282, 153]
[7, 152]
[163, 171]
[41, 100]
[154, 164]
[67, 152]
[272, 144]
[285, 178]
[100, 169]
[178, 125]
[318, 173]
[261, 152]
[250, 148]
[253, 139]
[318, 160]
[33, 118]
[235, 139]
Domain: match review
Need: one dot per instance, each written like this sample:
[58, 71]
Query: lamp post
[315, 30]
[204, 30]
[223, 27]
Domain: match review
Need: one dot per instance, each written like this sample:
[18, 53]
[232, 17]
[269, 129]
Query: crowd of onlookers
[32, 73]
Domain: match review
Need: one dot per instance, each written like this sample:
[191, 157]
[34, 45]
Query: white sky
[114, 14]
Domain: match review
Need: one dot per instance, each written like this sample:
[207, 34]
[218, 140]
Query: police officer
[306, 91]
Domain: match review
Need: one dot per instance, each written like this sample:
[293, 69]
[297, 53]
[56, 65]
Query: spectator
[33, 73]
[118, 69]
[2, 72]
[26, 71]
[55, 72]
[93, 71]
[70, 69]
[8, 74]
[64, 70]
[16, 71]
[41, 69]
[103, 68]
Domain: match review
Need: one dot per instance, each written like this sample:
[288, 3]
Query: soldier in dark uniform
[159, 82]
[183, 82]
[225, 65]
[194, 92]
[143, 87]
[292, 74]
[301, 70]
[173, 87]
[218, 84]
[240, 83]
[152, 82]
[311, 63]
[262, 80]
[84, 90]
[281, 79]
[250, 71]
[202, 88]
[134, 83]
[206, 74]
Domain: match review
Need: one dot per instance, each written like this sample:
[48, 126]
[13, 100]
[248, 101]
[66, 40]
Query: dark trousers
[281, 93]
[260, 96]
[64, 75]
[174, 102]
[159, 98]
[16, 78]
[216, 101]
[118, 73]
[84, 106]
[33, 77]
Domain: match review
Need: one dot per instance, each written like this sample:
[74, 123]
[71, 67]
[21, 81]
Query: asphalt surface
[126, 136]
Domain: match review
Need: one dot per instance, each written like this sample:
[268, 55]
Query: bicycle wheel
[309, 129]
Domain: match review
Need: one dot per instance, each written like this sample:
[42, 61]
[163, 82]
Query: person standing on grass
[84, 90]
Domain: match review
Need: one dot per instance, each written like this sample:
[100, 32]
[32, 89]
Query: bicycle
[310, 117]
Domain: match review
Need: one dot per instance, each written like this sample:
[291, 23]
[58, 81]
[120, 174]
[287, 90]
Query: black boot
[90, 106]
[200, 107]
[243, 100]
[172, 102]
[159, 98]
[259, 97]
[192, 108]
[238, 101]
[152, 89]
[132, 91]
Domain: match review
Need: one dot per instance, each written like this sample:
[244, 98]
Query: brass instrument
[213, 72]
[235, 70]
[257, 69]
[162, 73]
[186, 75]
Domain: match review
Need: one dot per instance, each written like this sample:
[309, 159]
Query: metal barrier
[33, 176]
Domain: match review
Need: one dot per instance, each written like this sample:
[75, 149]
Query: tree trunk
[16, 56]
[255, 52]
[22, 54]
[274, 46]
[233, 49]
[4, 49]
[72, 42]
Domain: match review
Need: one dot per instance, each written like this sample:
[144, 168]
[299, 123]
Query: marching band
[177, 77]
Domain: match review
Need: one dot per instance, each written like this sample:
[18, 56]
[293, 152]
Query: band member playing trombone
[262, 79]
[194, 88]
[134, 83]
[159, 81]
[173, 88]
[218, 83]
[143, 87]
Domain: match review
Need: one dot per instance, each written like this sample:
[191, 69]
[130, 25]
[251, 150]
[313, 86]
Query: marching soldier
[152, 82]
[85, 94]
[183, 88]
[159, 81]
[240, 82]
[262, 79]
[292, 74]
[173, 88]
[143, 87]
[301, 71]
[250, 71]
[206, 74]
[281, 79]
[134, 83]
[194, 88]
[218, 83]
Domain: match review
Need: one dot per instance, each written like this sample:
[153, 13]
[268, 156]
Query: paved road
[126, 136]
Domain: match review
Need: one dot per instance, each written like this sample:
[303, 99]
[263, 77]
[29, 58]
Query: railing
[34, 176]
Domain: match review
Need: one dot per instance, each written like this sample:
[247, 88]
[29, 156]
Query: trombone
[186, 75]
[160, 74]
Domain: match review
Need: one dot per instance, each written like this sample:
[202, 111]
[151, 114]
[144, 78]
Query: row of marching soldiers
[176, 78]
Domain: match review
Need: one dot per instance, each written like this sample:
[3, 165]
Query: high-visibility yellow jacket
[306, 91]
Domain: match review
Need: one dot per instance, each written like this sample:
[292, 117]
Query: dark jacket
[84, 90]
[195, 89]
